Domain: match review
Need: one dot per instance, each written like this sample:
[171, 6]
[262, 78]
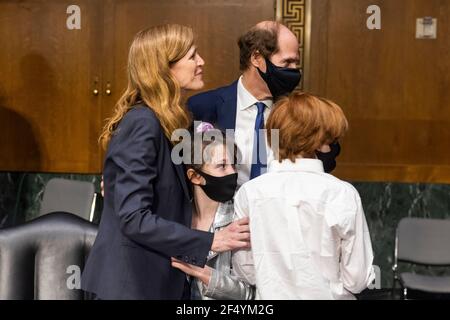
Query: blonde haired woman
[147, 206]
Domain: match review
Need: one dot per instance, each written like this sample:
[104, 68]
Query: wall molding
[296, 15]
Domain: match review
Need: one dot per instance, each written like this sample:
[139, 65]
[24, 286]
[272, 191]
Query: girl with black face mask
[214, 183]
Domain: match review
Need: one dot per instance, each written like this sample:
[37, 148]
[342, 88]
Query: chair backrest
[423, 241]
[43, 258]
[76, 197]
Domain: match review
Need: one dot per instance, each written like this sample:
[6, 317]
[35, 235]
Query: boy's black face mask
[281, 81]
[220, 189]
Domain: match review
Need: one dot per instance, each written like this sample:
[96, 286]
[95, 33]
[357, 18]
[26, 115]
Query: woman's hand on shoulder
[234, 236]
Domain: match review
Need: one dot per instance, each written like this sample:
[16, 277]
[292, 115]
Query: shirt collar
[247, 100]
[300, 164]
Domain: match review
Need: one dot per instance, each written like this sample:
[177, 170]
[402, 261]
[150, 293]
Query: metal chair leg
[394, 281]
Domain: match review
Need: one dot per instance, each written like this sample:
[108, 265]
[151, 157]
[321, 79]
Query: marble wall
[21, 194]
[384, 204]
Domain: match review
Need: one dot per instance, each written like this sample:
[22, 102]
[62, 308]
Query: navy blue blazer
[219, 107]
[146, 217]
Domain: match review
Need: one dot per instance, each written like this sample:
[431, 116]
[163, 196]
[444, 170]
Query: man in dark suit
[269, 58]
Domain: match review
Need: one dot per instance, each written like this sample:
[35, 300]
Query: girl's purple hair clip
[204, 127]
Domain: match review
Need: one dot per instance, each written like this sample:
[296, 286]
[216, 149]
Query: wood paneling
[393, 88]
[217, 25]
[46, 105]
[49, 119]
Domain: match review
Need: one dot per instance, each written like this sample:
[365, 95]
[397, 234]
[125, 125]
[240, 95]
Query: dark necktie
[259, 157]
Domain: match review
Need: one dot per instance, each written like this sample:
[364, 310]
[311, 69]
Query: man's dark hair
[263, 40]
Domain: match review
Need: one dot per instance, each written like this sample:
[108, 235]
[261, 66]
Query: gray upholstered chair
[76, 197]
[422, 242]
[43, 259]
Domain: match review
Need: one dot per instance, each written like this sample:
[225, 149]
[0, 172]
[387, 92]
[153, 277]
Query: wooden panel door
[49, 117]
[393, 87]
[216, 23]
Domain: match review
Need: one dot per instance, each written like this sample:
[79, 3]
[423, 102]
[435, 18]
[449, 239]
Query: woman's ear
[258, 61]
[195, 178]
[325, 148]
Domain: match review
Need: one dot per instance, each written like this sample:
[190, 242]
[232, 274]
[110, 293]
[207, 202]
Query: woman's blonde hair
[152, 53]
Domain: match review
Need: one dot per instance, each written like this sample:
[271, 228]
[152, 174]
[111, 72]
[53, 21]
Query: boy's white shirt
[309, 235]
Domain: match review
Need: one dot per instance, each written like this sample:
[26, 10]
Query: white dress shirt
[245, 125]
[309, 235]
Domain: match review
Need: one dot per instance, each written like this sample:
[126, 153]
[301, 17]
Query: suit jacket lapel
[228, 109]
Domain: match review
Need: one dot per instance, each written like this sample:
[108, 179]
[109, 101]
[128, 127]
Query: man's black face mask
[281, 81]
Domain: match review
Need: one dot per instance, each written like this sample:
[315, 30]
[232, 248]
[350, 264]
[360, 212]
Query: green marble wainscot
[8, 196]
[385, 204]
[21, 194]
